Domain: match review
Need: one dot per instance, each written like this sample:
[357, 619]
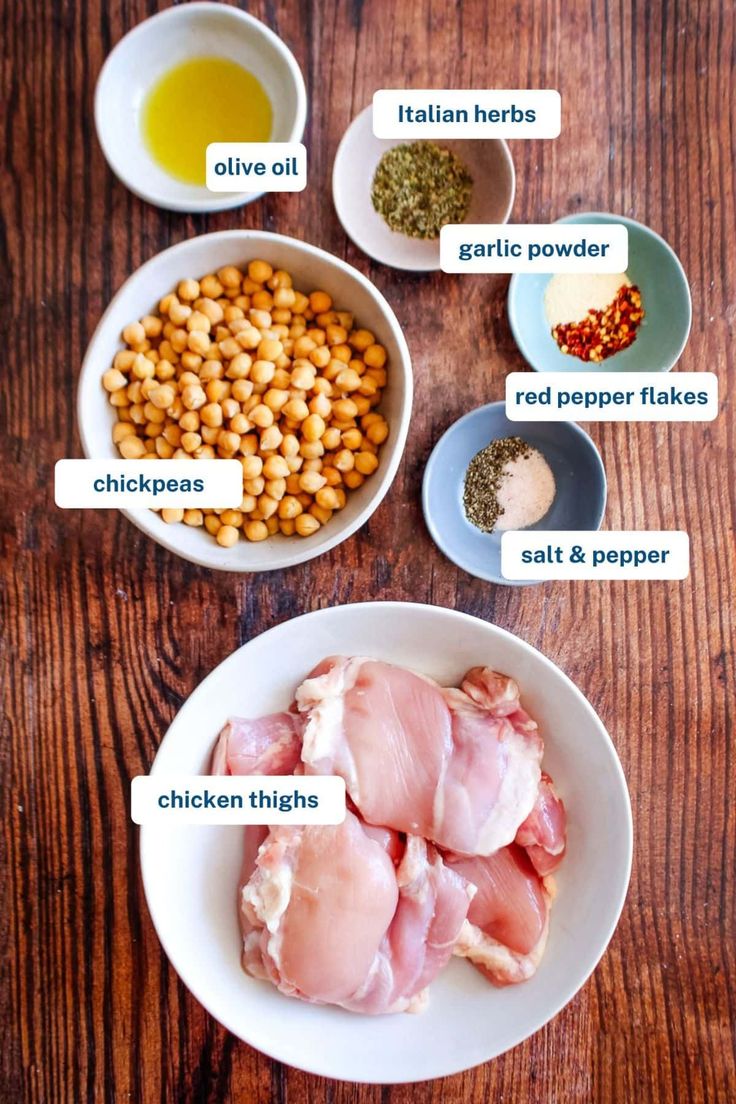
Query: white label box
[612, 397]
[256, 166]
[534, 247]
[467, 113]
[237, 799]
[148, 484]
[568, 554]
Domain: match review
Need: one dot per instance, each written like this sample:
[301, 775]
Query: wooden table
[105, 634]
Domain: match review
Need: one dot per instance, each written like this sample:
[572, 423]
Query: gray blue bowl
[654, 267]
[580, 479]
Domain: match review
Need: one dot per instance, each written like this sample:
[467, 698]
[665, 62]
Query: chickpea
[260, 271]
[344, 460]
[210, 287]
[344, 410]
[361, 340]
[313, 427]
[134, 334]
[113, 380]
[228, 442]
[252, 467]
[353, 480]
[271, 438]
[121, 430]
[170, 516]
[190, 441]
[275, 467]
[289, 507]
[287, 527]
[311, 450]
[261, 416]
[211, 414]
[331, 438]
[162, 397]
[296, 410]
[326, 497]
[310, 482]
[263, 372]
[131, 448]
[275, 488]
[254, 486]
[242, 390]
[320, 301]
[377, 432]
[267, 505]
[230, 276]
[227, 536]
[306, 524]
[193, 517]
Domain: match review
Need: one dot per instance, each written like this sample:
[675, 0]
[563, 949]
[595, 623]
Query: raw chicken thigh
[506, 930]
[331, 920]
[267, 745]
[450, 835]
[422, 759]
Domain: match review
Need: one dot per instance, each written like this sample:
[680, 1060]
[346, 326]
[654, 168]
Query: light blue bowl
[580, 478]
[653, 267]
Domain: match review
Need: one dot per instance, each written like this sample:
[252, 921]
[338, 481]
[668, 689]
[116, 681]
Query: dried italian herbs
[420, 187]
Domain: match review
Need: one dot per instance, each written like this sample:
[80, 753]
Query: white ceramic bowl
[488, 161]
[311, 268]
[190, 874]
[157, 45]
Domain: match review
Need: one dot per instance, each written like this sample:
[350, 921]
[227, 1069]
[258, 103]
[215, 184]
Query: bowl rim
[517, 279]
[437, 534]
[142, 518]
[215, 201]
[396, 608]
[365, 244]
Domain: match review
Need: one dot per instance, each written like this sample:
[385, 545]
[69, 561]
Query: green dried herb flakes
[420, 187]
[483, 478]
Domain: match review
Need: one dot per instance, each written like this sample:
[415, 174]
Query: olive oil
[203, 100]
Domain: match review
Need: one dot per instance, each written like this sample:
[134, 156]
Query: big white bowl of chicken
[192, 874]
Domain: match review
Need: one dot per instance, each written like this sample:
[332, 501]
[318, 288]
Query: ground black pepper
[483, 478]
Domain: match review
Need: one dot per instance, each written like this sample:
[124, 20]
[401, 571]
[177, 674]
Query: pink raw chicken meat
[459, 767]
[328, 917]
[266, 745]
[506, 930]
[543, 833]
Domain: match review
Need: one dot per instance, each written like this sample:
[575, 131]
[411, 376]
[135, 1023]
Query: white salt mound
[526, 492]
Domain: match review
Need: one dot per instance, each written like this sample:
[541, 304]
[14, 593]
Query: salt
[526, 491]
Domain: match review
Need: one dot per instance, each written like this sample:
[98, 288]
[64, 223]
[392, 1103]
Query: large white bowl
[190, 874]
[157, 45]
[311, 268]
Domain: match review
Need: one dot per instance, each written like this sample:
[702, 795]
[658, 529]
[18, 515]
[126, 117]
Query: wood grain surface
[105, 634]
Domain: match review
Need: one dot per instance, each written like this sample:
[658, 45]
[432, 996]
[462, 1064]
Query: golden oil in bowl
[202, 100]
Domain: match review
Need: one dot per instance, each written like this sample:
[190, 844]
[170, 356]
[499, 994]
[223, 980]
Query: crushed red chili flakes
[603, 332]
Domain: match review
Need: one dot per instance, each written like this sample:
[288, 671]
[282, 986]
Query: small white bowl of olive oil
[191, 75]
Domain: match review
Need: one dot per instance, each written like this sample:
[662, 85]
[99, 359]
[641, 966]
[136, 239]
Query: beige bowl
[488, 161]
[311, 268]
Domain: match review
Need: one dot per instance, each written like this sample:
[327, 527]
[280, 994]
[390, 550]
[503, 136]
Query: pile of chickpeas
[241, 365]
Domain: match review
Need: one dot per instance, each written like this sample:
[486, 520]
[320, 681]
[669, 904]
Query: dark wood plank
[104, 634]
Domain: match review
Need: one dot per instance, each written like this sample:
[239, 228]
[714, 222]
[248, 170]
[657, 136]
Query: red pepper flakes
[603, 332]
